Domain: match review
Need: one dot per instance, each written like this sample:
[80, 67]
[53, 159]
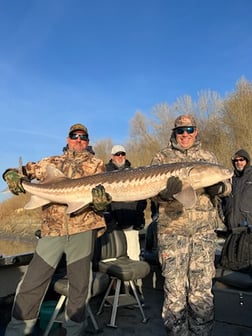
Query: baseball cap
[78, 127]
[117, 148]
[184, 120]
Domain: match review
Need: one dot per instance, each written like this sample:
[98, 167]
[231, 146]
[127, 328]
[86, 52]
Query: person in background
[61, 233]
[150, 253]
[128, 216]
[237, 207]
[186, 238]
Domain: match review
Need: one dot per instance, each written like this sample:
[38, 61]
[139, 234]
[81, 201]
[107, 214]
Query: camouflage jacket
[173, 217]
[55, 222]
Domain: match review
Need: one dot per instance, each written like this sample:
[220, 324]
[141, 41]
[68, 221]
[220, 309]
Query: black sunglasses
[120, 154]
[75, 136]
[181, 130]
[237, 160]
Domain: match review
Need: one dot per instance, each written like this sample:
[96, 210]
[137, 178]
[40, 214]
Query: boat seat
[115, 262]
[99, 285]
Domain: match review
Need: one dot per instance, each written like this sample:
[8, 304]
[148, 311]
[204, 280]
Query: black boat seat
[115, 262]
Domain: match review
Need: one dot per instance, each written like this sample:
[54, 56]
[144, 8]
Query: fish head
[205, 175]
[200, 176]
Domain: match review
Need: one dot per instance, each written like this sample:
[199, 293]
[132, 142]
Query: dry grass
[15, 221]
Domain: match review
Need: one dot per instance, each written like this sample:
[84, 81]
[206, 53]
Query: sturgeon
[131, 184]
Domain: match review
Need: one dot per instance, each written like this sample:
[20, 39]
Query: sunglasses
[237, 160]
[181, 130]
[120, 154]
[75, 136]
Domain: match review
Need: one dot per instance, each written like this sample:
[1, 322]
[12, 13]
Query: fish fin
[36, 202]
[6, 190]
[187, 197]
[53, 175]
[75, 206]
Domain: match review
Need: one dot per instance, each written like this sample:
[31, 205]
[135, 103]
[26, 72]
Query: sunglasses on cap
[120, 154]
[182, 130]
[237, 160]
[75, 136]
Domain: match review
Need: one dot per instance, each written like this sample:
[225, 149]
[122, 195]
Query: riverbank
[15, 222]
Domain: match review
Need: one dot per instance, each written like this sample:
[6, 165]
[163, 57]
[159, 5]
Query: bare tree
[142, 143]
[237, 116]
[102, 149]
[224, 125]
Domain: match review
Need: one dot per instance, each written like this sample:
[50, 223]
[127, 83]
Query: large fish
[125, 185]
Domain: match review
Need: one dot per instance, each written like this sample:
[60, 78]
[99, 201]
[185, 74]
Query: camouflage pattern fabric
[187, 309]
[13, 180]
[187, 243]
[55, 222]
[101, 199]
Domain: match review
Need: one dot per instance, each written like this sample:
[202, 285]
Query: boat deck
[129, 320]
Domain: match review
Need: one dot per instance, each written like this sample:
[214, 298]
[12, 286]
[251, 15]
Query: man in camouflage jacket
[61, 233]
[186, 239]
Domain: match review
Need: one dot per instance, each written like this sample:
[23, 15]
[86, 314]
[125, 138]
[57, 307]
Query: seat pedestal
[119, 300]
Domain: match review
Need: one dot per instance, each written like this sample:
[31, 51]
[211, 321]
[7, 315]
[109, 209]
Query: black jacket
[125, 214]
[237, 207]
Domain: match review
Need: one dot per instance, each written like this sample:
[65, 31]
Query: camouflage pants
[188, 269]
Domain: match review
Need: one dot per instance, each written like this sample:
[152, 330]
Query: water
[17, 246]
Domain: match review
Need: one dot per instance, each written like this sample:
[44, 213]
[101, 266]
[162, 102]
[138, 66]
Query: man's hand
[173, 186]
[101, 199]
[14, 180]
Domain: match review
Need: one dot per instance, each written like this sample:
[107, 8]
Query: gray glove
[215, 189]
[173, 186]
[101, 199]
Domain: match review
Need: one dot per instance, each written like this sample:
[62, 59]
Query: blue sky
[99, 62]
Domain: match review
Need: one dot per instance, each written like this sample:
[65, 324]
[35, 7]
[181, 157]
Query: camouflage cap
[184, 120]
[78, 127]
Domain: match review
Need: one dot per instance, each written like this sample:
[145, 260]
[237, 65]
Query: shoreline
[17, 237]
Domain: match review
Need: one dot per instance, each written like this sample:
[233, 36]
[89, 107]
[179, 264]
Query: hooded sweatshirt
[237, 206]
